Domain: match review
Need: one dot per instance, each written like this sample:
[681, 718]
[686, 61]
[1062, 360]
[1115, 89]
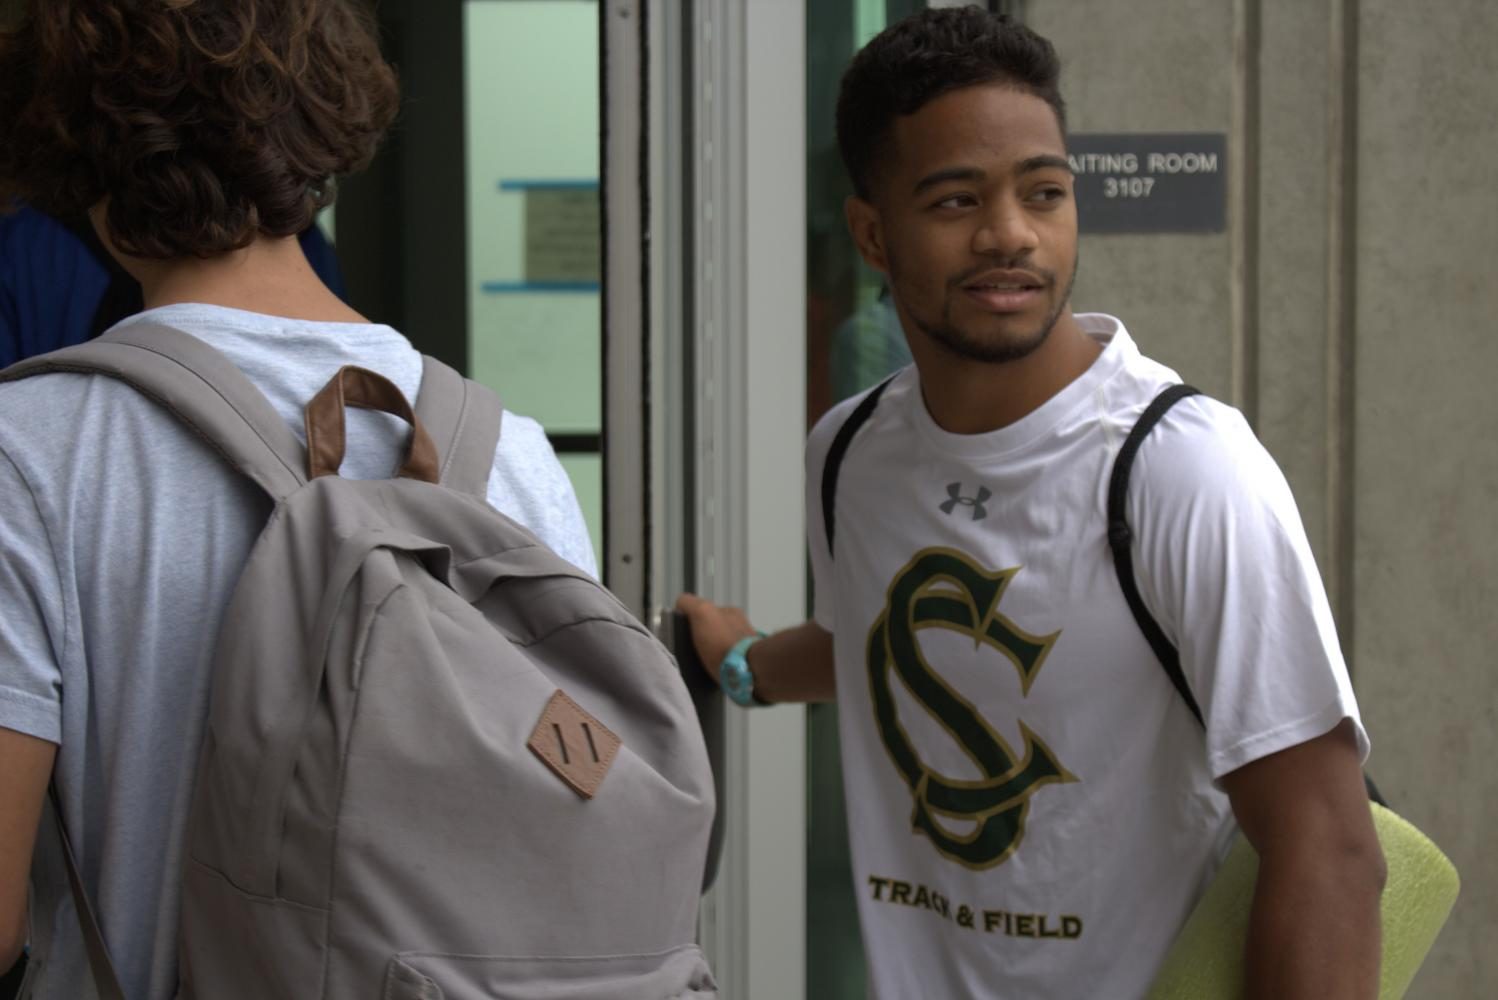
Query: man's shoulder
[48, 420]
[524, 447]
[827, 427]
[1202, 447]
[1199, 423]
[1199, 429]
[1203, 462]
[42, 404]
[23, 224]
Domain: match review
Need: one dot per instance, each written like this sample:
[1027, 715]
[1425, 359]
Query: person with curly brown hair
[200, 138]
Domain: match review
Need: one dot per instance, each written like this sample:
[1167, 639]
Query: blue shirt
[52, 283]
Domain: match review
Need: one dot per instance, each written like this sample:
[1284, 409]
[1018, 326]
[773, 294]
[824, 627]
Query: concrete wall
[1349, 310]
[1426, 474]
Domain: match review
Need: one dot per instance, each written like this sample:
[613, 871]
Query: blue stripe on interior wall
[548, 185]
[511, 287]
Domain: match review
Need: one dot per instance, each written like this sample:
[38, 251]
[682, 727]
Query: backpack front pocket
[678, 974]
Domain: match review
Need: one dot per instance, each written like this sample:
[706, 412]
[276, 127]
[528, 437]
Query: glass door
[564, 212]
[476, 230]
[531, 107]
[853, 340]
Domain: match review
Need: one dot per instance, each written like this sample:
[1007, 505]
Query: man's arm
[25, 768]
[794, 664]
[1314, 927]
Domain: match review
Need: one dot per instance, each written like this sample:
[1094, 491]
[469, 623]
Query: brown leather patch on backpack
[576, 746]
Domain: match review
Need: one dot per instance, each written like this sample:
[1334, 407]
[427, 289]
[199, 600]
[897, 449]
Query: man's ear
[867, 230]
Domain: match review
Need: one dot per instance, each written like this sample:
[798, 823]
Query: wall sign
[1150, 182]
[562, 233]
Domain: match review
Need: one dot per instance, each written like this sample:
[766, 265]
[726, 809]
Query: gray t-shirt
[121, 538]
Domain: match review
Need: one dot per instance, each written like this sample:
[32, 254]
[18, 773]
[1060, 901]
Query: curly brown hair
[205, 122]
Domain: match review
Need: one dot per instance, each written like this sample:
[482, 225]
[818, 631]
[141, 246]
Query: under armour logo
[954, 490]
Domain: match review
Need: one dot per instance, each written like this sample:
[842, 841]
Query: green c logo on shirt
[943, 588]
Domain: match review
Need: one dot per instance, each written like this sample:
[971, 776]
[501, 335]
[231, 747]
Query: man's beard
[998, 350]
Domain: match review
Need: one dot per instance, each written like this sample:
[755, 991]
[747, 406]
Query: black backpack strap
[839, 450]
[1120, 537]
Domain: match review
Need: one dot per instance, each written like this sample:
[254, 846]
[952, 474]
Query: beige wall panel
[1423, 483]
[1294, 213]
[1172, 293]
[1426, 455]
[1153, 66]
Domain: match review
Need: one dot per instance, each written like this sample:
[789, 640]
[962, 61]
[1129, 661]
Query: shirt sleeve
[529, 484]
[32, 626]
[1224, 565]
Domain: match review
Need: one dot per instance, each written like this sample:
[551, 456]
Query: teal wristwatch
[734, 675]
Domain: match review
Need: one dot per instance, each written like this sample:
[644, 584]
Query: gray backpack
[440, 762]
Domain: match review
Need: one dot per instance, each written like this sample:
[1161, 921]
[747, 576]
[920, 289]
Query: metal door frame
[704, 305]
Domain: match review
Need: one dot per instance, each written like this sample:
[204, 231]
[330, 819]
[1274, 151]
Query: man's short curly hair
[205, 122]
[924, 56]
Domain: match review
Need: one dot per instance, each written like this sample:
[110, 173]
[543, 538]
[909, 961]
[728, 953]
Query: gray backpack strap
[201, 387]
[210, 395]
[106, 982]
[463, 419]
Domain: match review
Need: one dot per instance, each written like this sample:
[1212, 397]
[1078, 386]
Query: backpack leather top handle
[355, 386]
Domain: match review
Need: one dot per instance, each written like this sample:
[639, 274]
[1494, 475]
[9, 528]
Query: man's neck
[969, 397]
[270, 276]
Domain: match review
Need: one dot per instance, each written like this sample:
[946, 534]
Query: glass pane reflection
[852, 341]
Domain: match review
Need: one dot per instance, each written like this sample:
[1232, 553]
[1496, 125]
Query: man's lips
[1005, 290]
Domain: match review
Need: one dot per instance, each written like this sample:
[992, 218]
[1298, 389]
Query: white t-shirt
[121, 539]
[1031, 806]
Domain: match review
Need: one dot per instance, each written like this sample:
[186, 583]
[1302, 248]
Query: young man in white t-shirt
[1033, 810]
[203, 137]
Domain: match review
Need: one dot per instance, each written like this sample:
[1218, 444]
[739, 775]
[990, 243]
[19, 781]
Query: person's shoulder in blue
[58, 287]
[50, 285]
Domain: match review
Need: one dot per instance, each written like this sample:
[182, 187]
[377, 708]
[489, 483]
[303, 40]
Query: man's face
[973, 222]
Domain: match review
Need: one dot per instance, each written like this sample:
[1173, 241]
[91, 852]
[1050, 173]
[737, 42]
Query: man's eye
[1048, 194]
[956, 201]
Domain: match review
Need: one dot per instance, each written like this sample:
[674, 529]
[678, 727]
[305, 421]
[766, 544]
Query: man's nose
[1005, 231]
